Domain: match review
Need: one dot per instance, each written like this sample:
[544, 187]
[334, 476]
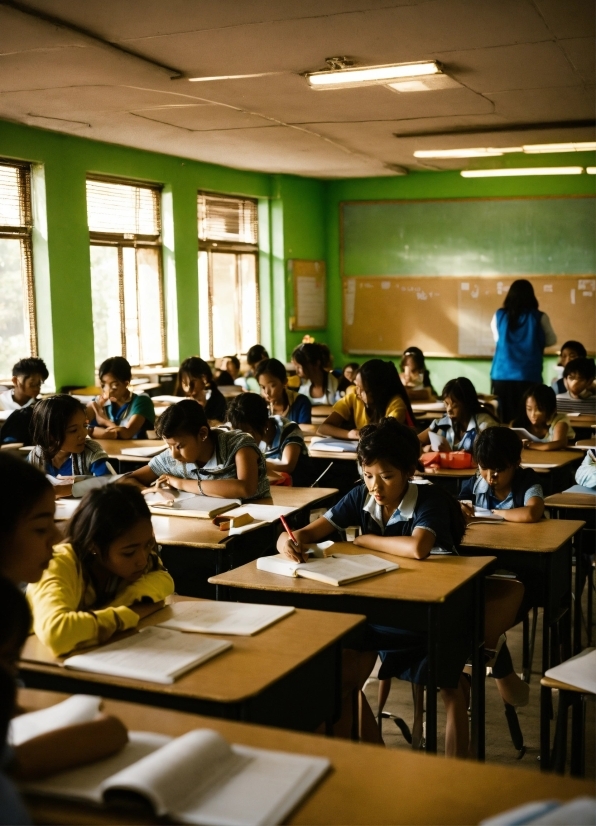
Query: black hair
[497, 448]
[8, 696]
[520, 299]
[224, 379]
[248, 408]
[417, 356]
[234, 359]
[546, 402]
[186, 417]
[103, 515]
[116, 366]
[51, 417]
[31, 367]
[582, 367]
[381, 382]
[15, 616]
[344, 383]
[256, 354]
[272, 367]
[463, 391]
[577, 347]
[196, 368]
[21, 486]
[327, 358]
[312, 355]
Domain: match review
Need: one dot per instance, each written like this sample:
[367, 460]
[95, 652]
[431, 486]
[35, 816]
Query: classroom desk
[320, 412]
[331, 455]
[441, 597]
[555, 478]
[267, 678]
[586, 444]
[366, 784]
[114, 448]
[542, 552]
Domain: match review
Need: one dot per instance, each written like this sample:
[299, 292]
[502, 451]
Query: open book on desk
[259, 515]
[154, 654]
[171, 502]
[197, 778]
[144, 452]
[234, 618]
[329, 445]
[338, 569]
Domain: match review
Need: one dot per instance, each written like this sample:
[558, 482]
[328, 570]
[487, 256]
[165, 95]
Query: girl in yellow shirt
[105, 577]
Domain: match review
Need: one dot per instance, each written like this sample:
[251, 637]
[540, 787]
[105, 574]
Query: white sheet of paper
[438, 442]
[234, 618]
[579, 671]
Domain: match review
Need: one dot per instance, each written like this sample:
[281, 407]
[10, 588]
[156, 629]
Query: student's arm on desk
[135, 423]
[336, 427]
[417, 546]
[67, 748]
[532, 511]
[243, 487]
[309, 535]
[288, 461]
[559, 440]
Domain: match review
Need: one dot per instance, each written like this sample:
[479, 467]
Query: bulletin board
[309, 281]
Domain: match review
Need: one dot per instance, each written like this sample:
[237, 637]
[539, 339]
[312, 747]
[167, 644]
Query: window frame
[24, 233]
[135, 241]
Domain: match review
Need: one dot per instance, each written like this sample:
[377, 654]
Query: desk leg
[577, 607]
[545, 693]
[478, 672]
[431, 682]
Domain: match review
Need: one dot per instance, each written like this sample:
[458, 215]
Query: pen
[289, 531]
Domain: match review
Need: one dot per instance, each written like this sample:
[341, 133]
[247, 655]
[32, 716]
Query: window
[126, 278]
[17, 306]
[228, 280]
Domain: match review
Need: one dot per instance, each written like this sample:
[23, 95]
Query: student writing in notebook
[62, 448]
[203, 460]
[318, 383]
[415, 377]
[377, 392]
[273, 381]
[539, 417]
[119, 413]
[465, 417]
[400, 518]
[280, 440]
[196, 381]
[580, 393]
[28, 375]
[104, 577]
[570, 351]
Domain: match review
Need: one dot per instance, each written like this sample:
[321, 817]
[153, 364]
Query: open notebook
[234, 618]
[197, 778]
[182, 503]
[339, 569]
[144, 452]
[330, 445]
[260, 515]
[154, 654]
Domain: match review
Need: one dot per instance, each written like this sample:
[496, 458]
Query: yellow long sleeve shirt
[64, 602]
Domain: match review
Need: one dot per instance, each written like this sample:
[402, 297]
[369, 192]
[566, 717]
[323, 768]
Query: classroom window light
[530, 170]
[370, 75]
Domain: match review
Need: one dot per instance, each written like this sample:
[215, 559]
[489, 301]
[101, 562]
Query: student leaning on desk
[119, 413]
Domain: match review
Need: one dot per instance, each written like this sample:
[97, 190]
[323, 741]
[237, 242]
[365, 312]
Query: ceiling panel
[547, 105]
[569, 18]
[582, 54]
[203, 117]
[21, 32]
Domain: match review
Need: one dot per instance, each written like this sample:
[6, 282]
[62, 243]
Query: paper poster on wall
[310, 294]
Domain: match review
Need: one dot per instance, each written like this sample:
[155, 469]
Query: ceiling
[117, 71]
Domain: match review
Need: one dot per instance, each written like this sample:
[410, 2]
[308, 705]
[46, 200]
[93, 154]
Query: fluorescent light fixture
[476, 152]
[591, 170]
[530, 170]
[539, 148]
[368, 75]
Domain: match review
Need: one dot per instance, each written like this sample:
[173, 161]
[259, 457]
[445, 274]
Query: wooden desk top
[114, 447]
[321, 410]
[548, 682]
[430, 580]
[453, 473]
[583, 420]
[241, 672]
[359, 789]
[570, 500]
[584, 444]
[542, 537]
[331, 455]
[560, 458]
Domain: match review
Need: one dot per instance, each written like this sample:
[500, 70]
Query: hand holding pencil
[288, 545]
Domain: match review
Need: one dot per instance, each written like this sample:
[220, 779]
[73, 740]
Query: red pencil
[289, 531]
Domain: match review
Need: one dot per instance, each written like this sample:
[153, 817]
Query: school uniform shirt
[298, 409]
[7, 401]
[586, 472]
[120, 415]
[353, 410]
[330, 396]
[524, 486]
[65, 608]
[289, 433]
[222, 465]
[558, 417]
[478, 423]
[91, 462]
[518, 354]
[586, 403]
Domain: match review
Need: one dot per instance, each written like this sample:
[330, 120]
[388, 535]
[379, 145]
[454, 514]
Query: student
[105, 577]
[318, 384]
[465, 417]
[18, 427]
[415, 377]
[347, 378]
[231, 366]
[206, 461]
[378, 392]
[586, 472]
[569, 351]
[61, 444]
[521, 333]
[580, 394]
[196, 380]
[28, 375]
[280, 440]
[273, 380]
[540, 418]
[120, 413]
[400, 518]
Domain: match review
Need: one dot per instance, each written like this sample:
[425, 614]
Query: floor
[499, 748]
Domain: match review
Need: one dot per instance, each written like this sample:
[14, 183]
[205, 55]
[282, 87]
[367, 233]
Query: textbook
[525, 434]
[144, 452]
[334, 445]
[339, 569]
[183, 503]
[234, 618]
[438, 442]
[260, 515]
[198, 778]
[155, 654]
[80, 708]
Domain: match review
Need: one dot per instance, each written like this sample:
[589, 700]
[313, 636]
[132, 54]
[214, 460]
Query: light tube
[591, 170]
[530, 170]
[371, 74]
[540, 148]
[477, 152]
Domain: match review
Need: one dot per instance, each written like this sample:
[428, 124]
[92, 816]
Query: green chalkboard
[517, 236]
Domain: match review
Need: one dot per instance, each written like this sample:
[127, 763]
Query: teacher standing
[521, 333]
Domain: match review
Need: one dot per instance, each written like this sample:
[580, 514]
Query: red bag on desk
[456, 459]
[431, 459]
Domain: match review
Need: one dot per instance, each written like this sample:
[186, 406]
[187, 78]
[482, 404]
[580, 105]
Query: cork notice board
[310, 294]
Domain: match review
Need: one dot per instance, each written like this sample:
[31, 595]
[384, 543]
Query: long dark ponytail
[382, 382]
